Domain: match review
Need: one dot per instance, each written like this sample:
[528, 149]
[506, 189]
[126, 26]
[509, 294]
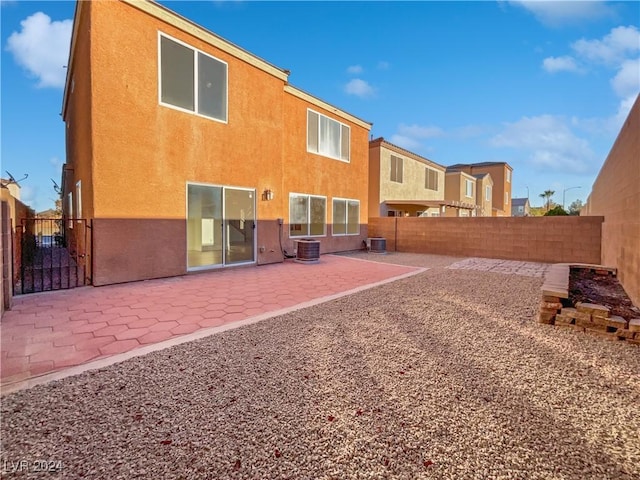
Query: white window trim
[508, 176]
[70, 208]
[309, 196]
[466, 189]
[346, 225]
[506, 198]
[487, 194]
[79, 200]
[195, 79]
[341, 124]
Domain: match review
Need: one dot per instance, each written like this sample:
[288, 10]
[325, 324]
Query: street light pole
[564, 191]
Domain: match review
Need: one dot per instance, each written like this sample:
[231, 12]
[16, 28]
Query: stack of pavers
[590, 317]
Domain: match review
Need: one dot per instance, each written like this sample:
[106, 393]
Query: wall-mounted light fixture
[267, 194]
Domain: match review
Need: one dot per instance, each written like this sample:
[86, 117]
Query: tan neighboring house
[403, 183]
[501, 173]
[460, 194]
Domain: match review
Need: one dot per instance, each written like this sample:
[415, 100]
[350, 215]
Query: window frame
[195, 80]
[340, 159]
[309, 197]
[79, 200]
[70, 216]
[508, 176]
[394, 172]
[487, 194]
[427, 173]
[506, 198]
[346, 221]
[468, 183]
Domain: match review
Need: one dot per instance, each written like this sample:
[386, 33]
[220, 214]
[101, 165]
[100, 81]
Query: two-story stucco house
[501, 173]
[186, 152]
[403, 183]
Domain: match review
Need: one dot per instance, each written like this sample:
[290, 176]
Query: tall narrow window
[79, 199]
[327, 137]
[307, 215]
[508, 175]
[192, 80]
[396, 169]
[469, 188]
[487, 195]
[430, 179]
[346, 217]
[70, 209]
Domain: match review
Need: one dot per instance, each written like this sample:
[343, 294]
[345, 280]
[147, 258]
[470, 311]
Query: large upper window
[327, 137]
[430, 179]
[508, 176]
[192, 80]
[307, 215]
[396, 169]
[346, 216]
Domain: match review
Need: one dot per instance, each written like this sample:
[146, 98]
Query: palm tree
[547, 196]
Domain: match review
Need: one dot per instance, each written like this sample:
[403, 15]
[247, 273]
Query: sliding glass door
[220, 226]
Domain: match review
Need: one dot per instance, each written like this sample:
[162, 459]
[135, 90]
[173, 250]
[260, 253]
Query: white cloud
[355, 69]
[42, 48]
[382, 65]
[612, 48]
[560, 64]
[359, 88]
[556, 13]
[550, 143]
[627, 80]
[417, 131]
[56, 163]
[28, 194]
[405, 142]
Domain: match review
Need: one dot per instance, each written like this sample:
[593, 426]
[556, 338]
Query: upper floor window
[430, 179]
[469, 188]
[487, 194]
[307, 215]
[508, 175]
[327, 136]
[396, 169]
[191, 80]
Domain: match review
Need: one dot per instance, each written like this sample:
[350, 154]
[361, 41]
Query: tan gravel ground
[444, 375]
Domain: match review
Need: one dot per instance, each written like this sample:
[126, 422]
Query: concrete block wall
[616, 196]
[537, 239]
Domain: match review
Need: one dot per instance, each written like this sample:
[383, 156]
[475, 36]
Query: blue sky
[544, 86]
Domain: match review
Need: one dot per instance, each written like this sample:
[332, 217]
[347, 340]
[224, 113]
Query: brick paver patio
[52, 331]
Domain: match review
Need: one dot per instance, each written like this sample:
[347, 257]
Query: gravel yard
[444, 375]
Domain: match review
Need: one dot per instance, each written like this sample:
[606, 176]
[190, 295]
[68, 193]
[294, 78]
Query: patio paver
[76, 326]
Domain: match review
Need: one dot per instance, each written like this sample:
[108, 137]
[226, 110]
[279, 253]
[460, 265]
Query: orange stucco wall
[142, 154]
[616, 196]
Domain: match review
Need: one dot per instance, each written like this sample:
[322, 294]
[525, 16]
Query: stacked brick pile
[590, 318]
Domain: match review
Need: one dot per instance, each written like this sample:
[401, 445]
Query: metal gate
[52, 254]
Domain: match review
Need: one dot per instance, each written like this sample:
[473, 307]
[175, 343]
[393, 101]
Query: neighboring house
[402, 183]
[186, 152]
[520, 207]
[501, 173]
[461, 190]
